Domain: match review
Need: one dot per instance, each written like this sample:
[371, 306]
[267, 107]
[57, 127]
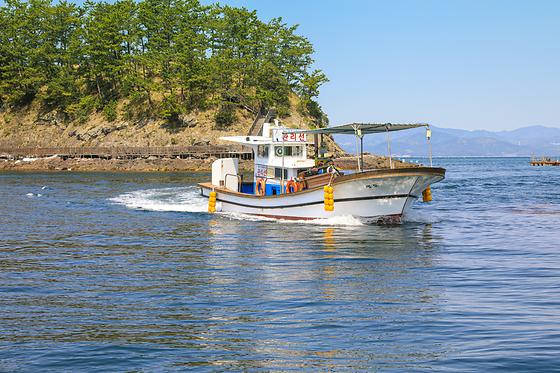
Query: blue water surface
[106, 272]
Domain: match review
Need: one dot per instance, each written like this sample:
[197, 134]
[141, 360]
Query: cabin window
[263, 151]
[288, 151]
[278, 173]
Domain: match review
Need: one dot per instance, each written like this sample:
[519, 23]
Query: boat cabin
[279, 157]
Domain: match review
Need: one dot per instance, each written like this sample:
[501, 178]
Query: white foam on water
[185, 199]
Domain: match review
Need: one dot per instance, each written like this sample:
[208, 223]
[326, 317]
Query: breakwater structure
[127, 152]
[544, 161]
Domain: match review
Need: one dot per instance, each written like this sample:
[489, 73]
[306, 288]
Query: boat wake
[184, 199]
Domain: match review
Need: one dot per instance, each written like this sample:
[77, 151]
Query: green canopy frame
[361, 129]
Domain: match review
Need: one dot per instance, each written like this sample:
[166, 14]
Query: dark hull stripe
[318, 202]
[389, 218]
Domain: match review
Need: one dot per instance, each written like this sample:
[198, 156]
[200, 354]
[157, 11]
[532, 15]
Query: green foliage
[82, 109]
[137, 106]
[309, 89]
[225, 116]
[172, 56]
[60, 92]
[110, 111]
[170, 109]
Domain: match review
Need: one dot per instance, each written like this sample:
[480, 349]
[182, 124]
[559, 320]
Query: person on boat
[323, 167]
[331, 168]
[318, 169]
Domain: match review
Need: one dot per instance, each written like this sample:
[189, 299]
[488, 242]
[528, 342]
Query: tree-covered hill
[152, 58]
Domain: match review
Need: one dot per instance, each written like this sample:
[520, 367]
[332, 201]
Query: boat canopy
[360, 128]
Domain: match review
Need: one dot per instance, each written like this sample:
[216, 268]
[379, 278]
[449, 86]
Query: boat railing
[239, 180]
[318, 180]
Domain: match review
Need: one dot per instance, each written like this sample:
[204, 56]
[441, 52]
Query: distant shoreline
[55, 164]
[110, 165]
[461, 156]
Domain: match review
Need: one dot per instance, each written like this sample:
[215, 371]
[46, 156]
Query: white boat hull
[379, 194]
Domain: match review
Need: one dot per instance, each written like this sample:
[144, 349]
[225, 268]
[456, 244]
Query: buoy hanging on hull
[328, 198]
[427, 195]
[212, 202]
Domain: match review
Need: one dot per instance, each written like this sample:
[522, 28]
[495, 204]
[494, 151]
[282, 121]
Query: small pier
[544, 161]
[128, 152]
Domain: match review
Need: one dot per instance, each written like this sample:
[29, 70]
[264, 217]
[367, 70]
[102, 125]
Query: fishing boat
[286, 184]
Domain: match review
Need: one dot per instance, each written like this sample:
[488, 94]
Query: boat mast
[282, 177]
[359, 147]
[316, 145]
[429, 136]
[389, 147]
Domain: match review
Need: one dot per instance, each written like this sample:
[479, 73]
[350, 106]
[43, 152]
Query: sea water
[127, 272]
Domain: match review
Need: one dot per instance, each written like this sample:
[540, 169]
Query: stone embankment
[158, 164]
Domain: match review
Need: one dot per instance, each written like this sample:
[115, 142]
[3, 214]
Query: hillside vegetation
[170, 69]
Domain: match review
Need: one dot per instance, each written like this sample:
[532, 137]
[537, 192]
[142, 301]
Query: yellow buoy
[427, 195]
[328, 197]
[212, 202]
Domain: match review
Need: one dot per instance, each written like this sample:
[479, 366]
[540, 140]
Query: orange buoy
[260, 186]
[291, 186]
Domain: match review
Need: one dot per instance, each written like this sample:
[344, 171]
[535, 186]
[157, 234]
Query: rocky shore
[56, 163]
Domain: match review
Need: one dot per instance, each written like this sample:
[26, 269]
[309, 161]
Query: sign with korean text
[278, 136]
[261, 170]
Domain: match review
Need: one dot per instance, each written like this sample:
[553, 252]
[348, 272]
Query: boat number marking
[371, 186]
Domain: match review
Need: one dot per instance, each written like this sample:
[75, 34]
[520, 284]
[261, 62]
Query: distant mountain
[527, 141]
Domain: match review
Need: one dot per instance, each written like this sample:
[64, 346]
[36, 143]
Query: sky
[491, 65]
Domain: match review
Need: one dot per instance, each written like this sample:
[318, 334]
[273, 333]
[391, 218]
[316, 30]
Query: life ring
[293, 185]
[260, 187]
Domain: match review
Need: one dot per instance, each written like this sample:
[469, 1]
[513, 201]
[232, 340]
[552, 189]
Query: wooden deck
[128, 152]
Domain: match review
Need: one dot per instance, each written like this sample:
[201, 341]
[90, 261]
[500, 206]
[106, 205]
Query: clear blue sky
[462, 64]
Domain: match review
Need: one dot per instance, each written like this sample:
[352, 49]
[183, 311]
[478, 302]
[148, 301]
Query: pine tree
[174, 55]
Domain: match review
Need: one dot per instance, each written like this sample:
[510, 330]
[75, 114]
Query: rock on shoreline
[108, 165]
